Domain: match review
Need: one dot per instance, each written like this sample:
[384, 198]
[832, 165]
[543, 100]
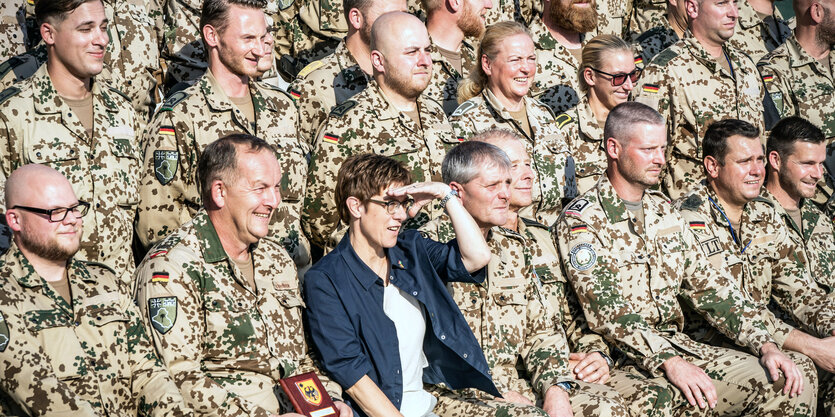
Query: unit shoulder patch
[165, 165]
[563, 119]
[5, 337]
[162, 312]
[173, 100]
[665, 56]
[691, 203]
[582, 256]
[464, 108]
[340, 110]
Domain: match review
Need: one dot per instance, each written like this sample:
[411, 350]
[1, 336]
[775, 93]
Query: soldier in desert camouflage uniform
[451, 31]
[507, 313]
[589, 359]
[499, 100]
[71, 343]
[557, 63]
[80, 126]
[756, 36]
[221, 303]
[331, 81]
[800, 74]
[629, 257]
[390, 117]
[225, 100]
[697, 80]
[131, 59]
[739, 229]
[670, 29]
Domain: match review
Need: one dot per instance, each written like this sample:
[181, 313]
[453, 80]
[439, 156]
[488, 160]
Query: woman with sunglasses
[378, 310]
[496, 96]
[607, 75]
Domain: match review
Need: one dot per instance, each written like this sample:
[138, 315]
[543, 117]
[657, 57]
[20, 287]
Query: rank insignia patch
[4, 333]
[583, 256]
[165, 165]
[163, 313]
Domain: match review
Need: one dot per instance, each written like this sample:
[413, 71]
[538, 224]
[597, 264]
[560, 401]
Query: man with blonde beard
[448, 23]
[559, 34]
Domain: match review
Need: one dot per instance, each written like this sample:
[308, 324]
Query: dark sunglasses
[619, 79]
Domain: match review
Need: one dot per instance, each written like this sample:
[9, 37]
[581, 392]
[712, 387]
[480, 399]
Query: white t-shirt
[407, 314]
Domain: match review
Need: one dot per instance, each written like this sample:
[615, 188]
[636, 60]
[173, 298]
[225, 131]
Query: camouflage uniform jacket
[518, 10]
[629, 274]
[188, 122]
[324, 84]
[650, 43]
[556, 83]
[508, 315]
[561, 301]
[553, 165]
[88, 357]
[225, 344]
[12, 32]
[690, 89]
[585, 140]
[799, 85]
[37, 126]
[131, 58]
[368, 123]
[816, 238]
[763, 258]
[613, 16]
[443, 87]
[647, 14]
[754, 36]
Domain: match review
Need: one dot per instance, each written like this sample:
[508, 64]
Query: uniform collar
[798, 57]
[384, 110]
[587, 121]
[218, 100]
[700, 53]
[48, 101]
[27, 276]
[207, 236]
[610, 202]
[752, 211]
[467, 58]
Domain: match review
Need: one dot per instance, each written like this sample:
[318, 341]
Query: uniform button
[98, 318]
[101, 254]
[473, 300]
[465, 356]
[38, 154]
[72, 150]
[657, 297]
[69, 114]
[397, 372]
[76, 324]
[414, 293]
[98, 205]
[501, 298]
[443, 337]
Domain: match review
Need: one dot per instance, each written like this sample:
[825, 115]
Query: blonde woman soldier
[607, 75]
[496, 96]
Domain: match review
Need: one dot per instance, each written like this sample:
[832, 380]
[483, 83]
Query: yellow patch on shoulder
[310, 68]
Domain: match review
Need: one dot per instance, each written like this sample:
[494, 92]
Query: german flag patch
[650, 88]
[159, 277]
[166, 130]
[331, 138]
[697, 226]
[294, 93]
[767, 78]
[579, 229]
[639, 60]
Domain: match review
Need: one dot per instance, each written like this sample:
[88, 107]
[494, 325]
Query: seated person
[378, 312]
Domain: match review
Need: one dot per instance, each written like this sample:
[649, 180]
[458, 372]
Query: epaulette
[664, 57]
[563, 119]
[691, 203]
[534, 223]
[270, 86]
[173, 100]
[9, 65]
[119, 92]
[98, 264]
[309, 68]
[340, 110]
[762, 199]
[463, 108]
[165, 245]
[650, 33]
[8, 93]
[577, 207]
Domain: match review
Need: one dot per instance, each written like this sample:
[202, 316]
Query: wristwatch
[450, 194]
[566, 386]
[608, 360]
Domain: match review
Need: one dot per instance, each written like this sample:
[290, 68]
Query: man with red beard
[559, 34]
[390, 117]
[448, 23]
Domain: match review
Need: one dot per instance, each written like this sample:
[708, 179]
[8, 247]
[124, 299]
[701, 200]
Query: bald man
[390, 117]
[70, 341]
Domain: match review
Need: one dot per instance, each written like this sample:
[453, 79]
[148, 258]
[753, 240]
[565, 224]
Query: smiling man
[698, 79]
[67, 118]
[225, 100]
[390, 117]
[222, 303]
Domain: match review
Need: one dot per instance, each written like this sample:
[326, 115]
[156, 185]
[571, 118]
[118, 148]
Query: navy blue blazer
[354, 337]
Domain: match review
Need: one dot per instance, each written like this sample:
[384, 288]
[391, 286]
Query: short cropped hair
[715, 142]
[625, 116]
[55, 11]
[216, 12]
[496, 135]
[361, 5]
[790, 130]
[219, 160]
[364, 176]
[463, 162]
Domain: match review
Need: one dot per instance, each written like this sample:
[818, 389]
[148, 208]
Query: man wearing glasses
[700, 79]
[70, 340]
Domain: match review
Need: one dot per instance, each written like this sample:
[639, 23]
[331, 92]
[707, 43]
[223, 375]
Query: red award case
[308, 395]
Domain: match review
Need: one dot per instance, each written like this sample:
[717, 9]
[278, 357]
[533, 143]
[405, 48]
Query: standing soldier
[332, 80]
[699, 79]
[450, 23]
[221, 303]
[800, 74]
[559, 33]
[71, 342]
[225, 100]
[670, 29]
[390, 117]
[67, 118]
[630, 258]
[761, 28]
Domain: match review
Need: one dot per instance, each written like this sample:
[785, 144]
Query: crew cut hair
[365, 175]
[625, 116]
[216, 12]
[464, 162]
[219, 160]
[715, 142]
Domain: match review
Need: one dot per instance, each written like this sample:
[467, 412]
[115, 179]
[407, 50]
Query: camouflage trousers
[826, 394]
[642, 396]
[587, 400]
[743, 387]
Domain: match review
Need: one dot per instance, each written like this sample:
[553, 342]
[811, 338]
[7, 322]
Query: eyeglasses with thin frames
[619, 79]
[393, 205]
[58, 214]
